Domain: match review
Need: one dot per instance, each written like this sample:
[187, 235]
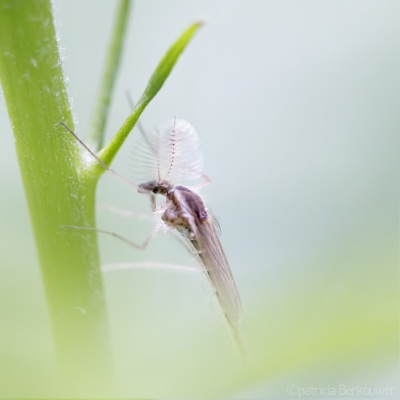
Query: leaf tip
[200, 21]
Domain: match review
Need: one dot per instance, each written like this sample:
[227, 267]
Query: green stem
[113, 59]
[57, 191]
[34, 89]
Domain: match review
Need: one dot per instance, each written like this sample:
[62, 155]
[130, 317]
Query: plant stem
[60, 187]
[113, 59]
[34, 89]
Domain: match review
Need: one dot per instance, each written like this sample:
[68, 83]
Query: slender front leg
[99, 161]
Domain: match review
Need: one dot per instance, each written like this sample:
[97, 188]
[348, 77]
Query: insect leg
[153, 203]
[118, 236]
[148, 265]
[127, 213]
[139, 124]
[101, 162]
[206, 181]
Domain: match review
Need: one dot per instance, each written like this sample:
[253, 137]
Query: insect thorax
[185, 208]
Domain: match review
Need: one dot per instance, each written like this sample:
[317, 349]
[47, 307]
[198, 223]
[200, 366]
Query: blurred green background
[297, 106]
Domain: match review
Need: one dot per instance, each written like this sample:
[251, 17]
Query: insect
[170, 155]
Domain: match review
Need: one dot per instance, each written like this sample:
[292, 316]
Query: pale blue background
[296, 104]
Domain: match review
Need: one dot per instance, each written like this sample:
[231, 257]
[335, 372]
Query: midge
[169, 155]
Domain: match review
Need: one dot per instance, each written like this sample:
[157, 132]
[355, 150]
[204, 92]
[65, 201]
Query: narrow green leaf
[113, 59]
[155, 83]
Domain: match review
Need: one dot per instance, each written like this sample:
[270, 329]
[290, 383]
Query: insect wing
[213, 258]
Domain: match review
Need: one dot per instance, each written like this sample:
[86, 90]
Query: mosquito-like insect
[170, 155]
